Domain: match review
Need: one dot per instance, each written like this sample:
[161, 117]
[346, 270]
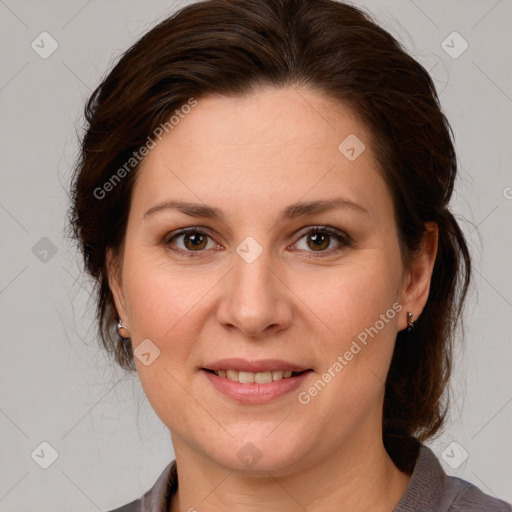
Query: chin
[259, 454]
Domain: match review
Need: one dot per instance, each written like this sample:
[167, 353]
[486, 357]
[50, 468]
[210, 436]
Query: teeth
[263, 377]
[232, 375]
[246, 377]
[250, 377]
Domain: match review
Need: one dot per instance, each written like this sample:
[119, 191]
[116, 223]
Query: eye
[193, 242]
[321, 240]
[317, 240]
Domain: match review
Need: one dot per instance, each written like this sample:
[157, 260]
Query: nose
[256, 300]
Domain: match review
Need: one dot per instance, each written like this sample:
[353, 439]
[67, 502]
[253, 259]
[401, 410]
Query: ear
[417, 279]
[115, 283]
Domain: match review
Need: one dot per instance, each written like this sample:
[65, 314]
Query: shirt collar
[158, 498]
[426, 485]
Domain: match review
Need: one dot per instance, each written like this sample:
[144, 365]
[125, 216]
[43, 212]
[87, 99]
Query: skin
[251, 157]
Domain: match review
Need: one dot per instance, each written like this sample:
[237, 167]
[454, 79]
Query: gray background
[59, 388]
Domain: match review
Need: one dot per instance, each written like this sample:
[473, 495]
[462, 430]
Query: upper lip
[263, 365]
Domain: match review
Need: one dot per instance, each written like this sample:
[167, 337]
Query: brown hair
[232, 47]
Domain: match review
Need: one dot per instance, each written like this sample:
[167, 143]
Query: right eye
[193, 242]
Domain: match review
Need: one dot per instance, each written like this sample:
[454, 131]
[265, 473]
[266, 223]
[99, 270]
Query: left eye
[319, 239]
[193, 240]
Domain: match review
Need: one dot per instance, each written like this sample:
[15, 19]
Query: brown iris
[319, 241]
[197, 240]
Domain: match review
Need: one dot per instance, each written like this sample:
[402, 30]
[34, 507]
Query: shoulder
[432, 490]
[134, 506]
[157, 498]
[469, 498]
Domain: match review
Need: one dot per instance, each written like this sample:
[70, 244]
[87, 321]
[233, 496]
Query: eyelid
[183, 231]
[320, 228]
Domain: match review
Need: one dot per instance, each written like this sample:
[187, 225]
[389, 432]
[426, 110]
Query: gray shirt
[430, 490]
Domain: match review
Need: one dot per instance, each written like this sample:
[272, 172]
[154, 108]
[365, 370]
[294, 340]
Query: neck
[359, 475]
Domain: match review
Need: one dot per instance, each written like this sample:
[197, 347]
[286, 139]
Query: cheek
[349, 386]
[162, 304]
[348, 300]
[161, 298]
[356, 317]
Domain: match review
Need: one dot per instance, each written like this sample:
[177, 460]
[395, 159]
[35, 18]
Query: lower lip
[253, 393]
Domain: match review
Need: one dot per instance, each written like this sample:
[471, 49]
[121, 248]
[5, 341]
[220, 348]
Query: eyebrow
[292, 211]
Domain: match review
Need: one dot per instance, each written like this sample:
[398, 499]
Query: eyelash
[343, 238]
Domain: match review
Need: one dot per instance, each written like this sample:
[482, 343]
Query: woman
[262, 197]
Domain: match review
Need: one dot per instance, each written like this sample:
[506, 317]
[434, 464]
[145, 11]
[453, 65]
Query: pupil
[195, 240]
[318, 240]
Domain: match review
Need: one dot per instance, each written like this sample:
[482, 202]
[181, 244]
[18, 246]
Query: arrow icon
[44, 45]
[454, 45]
[454, 455]
[249, 249]
[249, 455]
[44, 250]
[351, 147]
[44, 455]
[147, 352]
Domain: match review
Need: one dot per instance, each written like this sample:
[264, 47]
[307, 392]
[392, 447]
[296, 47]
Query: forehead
[273, 145]
[270, 117]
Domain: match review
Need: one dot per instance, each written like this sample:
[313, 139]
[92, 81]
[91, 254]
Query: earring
[121, 326]
[410, 323]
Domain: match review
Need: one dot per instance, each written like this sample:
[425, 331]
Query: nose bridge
[255, 299]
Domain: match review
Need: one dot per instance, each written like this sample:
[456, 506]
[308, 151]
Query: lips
[255, 382]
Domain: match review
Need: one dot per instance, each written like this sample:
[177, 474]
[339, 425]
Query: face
[262, 286]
